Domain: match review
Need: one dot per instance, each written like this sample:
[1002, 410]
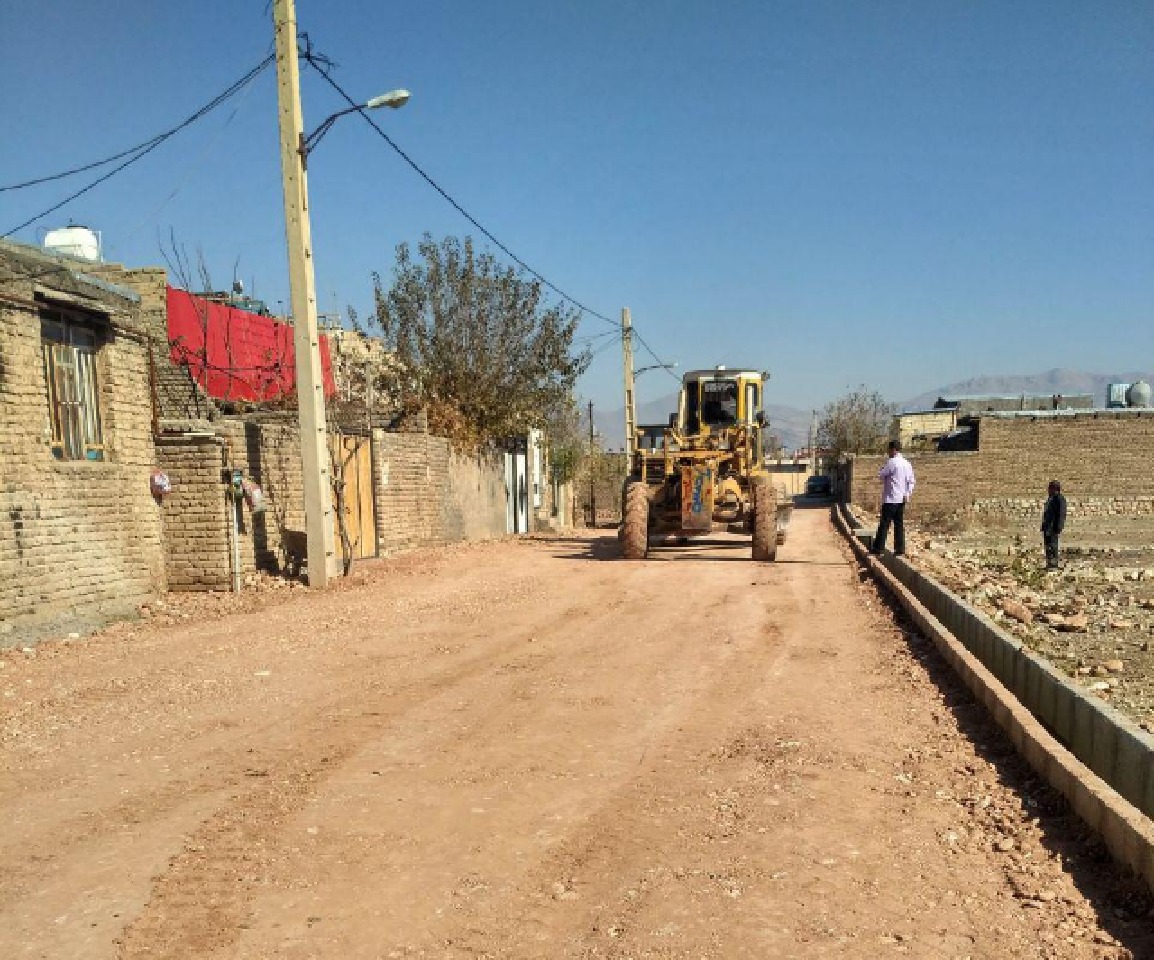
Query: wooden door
[353, 462]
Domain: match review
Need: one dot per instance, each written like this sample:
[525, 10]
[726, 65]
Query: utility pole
[630, 401]
[306, 339]
[592, 488]
[813, 444]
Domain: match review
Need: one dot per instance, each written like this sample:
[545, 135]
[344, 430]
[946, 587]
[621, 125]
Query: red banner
[248, 356]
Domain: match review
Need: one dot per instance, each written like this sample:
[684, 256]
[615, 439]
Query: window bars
[70, 346]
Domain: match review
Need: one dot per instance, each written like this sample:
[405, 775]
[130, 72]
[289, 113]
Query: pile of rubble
[1093, 619]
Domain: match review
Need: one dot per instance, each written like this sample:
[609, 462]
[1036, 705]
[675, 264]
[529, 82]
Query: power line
[138, 152]
[312, 59]
[648, 349]
[601, 349]
[322, 65]
[593, 337]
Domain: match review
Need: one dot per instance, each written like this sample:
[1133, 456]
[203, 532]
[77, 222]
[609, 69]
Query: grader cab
[706, 470]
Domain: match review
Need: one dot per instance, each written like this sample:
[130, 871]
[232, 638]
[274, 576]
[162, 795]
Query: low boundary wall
[1096, 758]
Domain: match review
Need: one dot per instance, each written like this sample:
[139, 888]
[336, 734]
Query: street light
[295, 147]
[394, 99]
[655, 366]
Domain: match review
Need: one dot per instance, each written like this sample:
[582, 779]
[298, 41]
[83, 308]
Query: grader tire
[764, 521]
[635, 522]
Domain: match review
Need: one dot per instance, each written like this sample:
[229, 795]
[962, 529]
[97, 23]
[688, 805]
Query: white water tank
[74, 241]
[1139, 394]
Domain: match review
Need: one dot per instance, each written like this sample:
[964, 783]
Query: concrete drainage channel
[1096, 758]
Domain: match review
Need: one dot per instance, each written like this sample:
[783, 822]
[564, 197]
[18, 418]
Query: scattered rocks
[1020, 612]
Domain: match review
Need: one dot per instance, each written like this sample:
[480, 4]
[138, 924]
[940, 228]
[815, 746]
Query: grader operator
[709, 472]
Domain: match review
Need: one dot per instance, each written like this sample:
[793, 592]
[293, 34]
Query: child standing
[1053, 520]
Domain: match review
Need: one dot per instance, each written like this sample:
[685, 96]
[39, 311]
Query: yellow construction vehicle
[705, 471]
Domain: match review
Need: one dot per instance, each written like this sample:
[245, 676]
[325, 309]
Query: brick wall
[199, 513]
[196, 518]
[177, 393]
[1102, 458]
[77, 538]
[425, 493]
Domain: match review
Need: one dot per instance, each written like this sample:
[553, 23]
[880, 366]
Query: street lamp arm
[654, 366]
[393, 99]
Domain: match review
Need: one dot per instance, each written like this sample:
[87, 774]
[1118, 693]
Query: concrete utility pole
[630, 400]
[813, 444]
[592, 488]
[306, 339]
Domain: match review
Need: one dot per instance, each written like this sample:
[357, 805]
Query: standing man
[897, 478]
[1053, 521]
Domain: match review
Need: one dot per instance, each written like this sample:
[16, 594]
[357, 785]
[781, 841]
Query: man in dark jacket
[1053, 521]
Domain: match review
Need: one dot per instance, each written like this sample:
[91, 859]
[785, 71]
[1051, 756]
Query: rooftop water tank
[1116, 394]
[74, 241]
[1139, 394]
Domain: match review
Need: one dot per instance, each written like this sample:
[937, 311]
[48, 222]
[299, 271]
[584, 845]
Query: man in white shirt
[897, 477]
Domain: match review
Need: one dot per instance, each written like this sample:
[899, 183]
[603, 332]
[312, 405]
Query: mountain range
[791, 424]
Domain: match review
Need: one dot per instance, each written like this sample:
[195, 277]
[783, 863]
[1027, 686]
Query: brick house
[96, 393]
[1101, 457]
[80, 533]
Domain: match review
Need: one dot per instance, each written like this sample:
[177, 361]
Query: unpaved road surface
[526, 749]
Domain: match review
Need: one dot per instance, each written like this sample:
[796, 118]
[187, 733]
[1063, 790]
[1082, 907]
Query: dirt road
[522, 749]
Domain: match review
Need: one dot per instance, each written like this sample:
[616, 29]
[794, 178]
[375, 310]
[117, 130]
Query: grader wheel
[635, 522]
[764, 520]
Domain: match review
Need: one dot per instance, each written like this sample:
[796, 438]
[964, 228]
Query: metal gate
[517, 489]
[353, 461]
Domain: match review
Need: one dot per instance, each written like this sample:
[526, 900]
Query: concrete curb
[1102, 764]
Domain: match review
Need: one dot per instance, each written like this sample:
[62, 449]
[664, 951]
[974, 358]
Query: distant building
[950, 423]
[972, 404]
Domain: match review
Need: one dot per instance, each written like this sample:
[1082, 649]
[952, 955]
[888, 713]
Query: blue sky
[901, 194]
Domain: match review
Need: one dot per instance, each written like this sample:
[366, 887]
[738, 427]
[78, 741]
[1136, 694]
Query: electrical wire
[594, 337]
[141, 150]
[601, 349]
[648, 349]
[322, 65]
[312, 59]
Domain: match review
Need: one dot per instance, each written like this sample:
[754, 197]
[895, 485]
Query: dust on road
[525, 749]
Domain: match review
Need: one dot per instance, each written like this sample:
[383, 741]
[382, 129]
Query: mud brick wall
[177, 394]
[196, 518]
[426, 494]
[200, 511]
[1102, 458]
[473, 507]
[80, 538]
[268, 451]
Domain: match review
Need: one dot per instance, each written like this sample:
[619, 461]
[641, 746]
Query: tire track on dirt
[199, 904]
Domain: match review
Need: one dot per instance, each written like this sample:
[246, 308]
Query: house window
[69, 344]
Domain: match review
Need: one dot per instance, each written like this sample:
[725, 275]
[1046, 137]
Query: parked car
[818, 487]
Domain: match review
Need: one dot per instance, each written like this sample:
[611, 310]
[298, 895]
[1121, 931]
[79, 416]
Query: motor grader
[705, 471]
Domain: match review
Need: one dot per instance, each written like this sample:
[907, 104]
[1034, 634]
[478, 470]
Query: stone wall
[78, 538]
[1102, 458]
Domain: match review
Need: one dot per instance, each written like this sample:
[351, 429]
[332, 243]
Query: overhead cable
[648, 349]
[138, 152]
[321, 69]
